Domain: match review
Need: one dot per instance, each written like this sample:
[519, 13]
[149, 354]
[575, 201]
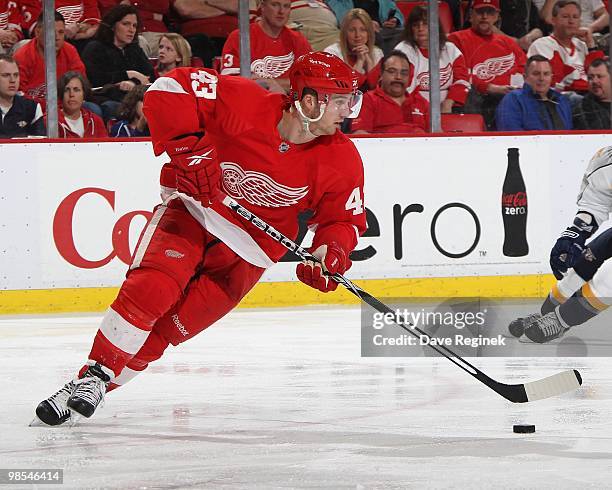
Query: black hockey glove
[570, 245]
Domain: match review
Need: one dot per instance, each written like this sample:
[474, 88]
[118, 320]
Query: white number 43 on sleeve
[354, 202]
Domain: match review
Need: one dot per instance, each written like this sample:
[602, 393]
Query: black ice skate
[89, 391]
[517, 327]
[53, 410]
[545, 329]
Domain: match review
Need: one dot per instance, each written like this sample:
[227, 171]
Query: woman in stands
[132, 123]
[454, 84]
[114, 61]
[356, 47]
[74, 121]
[174, 51]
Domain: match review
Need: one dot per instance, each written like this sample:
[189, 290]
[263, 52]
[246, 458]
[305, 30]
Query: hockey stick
[518, 393]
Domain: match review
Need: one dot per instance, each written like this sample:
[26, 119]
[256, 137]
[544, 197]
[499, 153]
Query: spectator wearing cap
[536, 106]
[10, 25]
[19, 117]
[593, 112]
[519, 19]
[390, 108]
[567, 53]
[31, 60]
[494, 61]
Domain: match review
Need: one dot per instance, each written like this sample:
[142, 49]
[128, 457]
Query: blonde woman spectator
[74, 121]
[174, 51]
[454, 76]
[356, 47]
[132, 122]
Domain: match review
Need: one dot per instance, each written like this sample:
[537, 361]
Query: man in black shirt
[19, 117]
[594, 110]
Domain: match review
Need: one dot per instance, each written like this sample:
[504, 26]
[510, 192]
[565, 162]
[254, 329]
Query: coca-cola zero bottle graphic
[514, 208]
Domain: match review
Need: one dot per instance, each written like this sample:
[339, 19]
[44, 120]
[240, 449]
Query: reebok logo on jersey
[179, 325]
[196, 159]
[493, 67]
[173, 254]
[257, 188]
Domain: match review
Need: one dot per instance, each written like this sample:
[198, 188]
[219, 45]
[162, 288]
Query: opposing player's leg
[591, 299]
[597, 252]
[224, 280]
[167, 256]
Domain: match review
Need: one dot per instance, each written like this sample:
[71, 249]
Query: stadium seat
[444, 12]
[462, 123]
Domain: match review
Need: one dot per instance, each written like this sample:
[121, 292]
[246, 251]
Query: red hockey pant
[182, 280]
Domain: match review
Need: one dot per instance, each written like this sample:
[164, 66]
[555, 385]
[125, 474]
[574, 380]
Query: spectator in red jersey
[31, 60]
[10, 25]
[316, 21]
[356, 47]
[454, 84]
[495, 61]
[274, 47]
[206, 24]
[74, 120]
[520, 19]
[390, 108]
[114, 60]
[151, 14]
[132, 122]
[567, 53]
[81, 18]
[174, 51]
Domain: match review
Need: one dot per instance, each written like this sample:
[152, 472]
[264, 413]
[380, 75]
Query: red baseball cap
[478, 4]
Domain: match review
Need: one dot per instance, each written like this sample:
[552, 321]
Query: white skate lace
[58, 400]
[551, 327]
[90, 389]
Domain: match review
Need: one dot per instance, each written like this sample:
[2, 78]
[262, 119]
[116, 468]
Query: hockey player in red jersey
[196, 259]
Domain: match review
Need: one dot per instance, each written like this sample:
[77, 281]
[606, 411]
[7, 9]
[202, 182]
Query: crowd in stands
[517, 65]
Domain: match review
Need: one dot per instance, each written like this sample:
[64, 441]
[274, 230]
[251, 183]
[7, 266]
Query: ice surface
[282, 399]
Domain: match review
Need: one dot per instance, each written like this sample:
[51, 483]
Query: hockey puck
[523, 429]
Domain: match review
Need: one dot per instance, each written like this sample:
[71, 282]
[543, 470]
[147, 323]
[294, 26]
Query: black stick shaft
[364, 296]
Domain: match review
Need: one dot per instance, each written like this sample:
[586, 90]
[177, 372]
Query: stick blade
[554, 385]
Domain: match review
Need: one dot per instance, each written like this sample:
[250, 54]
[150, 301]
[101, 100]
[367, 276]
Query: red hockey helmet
[323, 72]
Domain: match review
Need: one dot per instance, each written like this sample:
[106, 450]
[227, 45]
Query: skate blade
[71, 422]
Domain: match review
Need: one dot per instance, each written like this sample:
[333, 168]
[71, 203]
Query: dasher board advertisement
[72, 213]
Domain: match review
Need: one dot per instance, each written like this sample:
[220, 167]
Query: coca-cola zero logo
[63, 230]
[515, 203]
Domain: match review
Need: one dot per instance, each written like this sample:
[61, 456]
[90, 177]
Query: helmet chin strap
[307, 120]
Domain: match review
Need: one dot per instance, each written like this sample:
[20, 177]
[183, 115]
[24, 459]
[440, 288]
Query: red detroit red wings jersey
[269, 176]
[270, 57]
[489, 59]
[10, 18]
